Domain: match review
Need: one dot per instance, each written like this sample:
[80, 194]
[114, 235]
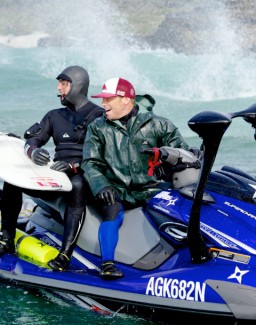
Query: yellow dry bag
[33, 248]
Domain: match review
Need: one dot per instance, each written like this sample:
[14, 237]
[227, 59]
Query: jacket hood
[145, 101]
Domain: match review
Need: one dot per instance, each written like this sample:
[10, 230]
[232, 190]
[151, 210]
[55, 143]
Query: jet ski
[189, 252]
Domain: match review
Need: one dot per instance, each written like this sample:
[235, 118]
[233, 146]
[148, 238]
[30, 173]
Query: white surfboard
[17, 169]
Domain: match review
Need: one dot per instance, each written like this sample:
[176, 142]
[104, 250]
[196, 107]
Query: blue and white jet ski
[190, 252]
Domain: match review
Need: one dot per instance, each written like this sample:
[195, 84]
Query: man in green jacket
[115, 169]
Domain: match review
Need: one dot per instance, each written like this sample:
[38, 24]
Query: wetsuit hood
[79, 79]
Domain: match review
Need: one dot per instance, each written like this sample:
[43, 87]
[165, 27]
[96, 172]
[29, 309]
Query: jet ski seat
[139, 242]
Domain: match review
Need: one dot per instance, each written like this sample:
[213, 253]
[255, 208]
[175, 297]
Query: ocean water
[222, 79]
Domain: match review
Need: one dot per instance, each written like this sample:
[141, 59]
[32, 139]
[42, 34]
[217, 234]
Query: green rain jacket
[111, 154]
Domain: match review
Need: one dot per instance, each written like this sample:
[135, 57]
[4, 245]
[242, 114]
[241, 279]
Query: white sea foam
[22, 41]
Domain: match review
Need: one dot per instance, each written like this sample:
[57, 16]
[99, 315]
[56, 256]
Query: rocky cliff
[189, 27]
[192, 26]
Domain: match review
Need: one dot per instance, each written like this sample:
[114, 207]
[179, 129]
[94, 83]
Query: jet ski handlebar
[249, 115]
[164, 161]
[170, 155]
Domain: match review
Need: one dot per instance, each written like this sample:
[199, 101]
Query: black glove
[40, 156]
[164, 172]
[65, 167]
[107, 194]
[61, 166]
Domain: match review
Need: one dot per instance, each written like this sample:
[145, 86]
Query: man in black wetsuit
[67, 126]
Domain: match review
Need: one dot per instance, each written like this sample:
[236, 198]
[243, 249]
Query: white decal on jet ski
[176, 289]
[164, 195]
[253, 186]
[218, 236]
[224, 239]
[238, 274]
[157, 207]
[240, 210]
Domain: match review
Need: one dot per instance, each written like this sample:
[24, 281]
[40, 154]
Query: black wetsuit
[67, 128]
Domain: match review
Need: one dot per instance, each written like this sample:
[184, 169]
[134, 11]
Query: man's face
[63, 87]
[116, 107]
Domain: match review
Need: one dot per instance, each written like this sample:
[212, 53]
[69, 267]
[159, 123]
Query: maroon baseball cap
[116, 87]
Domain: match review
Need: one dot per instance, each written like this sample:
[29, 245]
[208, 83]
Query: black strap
[181, 165]
[83, 125]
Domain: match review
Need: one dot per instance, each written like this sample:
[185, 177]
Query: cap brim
[104, 95]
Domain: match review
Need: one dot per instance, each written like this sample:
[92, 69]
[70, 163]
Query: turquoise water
[21, 306]
[28, 91]
[183, 85]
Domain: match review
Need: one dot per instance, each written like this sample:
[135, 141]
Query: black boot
[11, 203]
[109, 271]
[6, 244]
[60, 262]
[73, 221]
